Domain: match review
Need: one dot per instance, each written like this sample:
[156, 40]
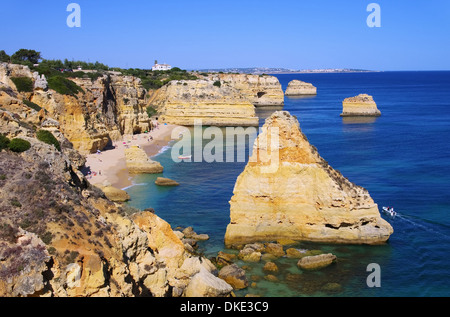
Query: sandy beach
[109, 165]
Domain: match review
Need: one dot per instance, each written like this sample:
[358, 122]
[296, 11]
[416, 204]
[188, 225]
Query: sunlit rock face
[288, 191]
[361, 105]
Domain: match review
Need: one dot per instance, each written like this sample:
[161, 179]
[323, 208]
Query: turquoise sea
[402, 158]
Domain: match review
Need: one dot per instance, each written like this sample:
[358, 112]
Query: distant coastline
[265, 70]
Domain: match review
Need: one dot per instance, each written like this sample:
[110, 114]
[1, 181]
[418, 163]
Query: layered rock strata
[260, 90]
[106, 109]
[287, 191]
[300, 88]
[219, 99]
[361, 105]
[61, 237]
[188, 102]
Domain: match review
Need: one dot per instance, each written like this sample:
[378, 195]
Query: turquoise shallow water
[402, 158]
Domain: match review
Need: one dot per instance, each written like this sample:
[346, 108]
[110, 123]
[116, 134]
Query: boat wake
[423, 226]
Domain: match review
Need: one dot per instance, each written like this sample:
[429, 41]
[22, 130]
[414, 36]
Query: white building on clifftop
[161, 66]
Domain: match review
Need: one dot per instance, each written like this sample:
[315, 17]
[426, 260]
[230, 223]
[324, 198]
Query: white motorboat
[185, 157]
[389, 211]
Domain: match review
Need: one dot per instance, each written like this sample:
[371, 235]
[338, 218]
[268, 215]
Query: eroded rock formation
[361, 105]
[300, 88]
[219, 99]
[287, 191]
[183, 102]
[106, 109]
[62, 237]
[139, 163]
[261, 90]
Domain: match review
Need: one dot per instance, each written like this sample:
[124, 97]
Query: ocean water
[402, 158]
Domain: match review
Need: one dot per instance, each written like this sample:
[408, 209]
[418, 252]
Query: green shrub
[14, 202]
[19, 145]
[217, 83]
[4, 142]
[47, 137]
[63, 86]
[23, 84]
[47, 237]
[150, 111]
[32, 105]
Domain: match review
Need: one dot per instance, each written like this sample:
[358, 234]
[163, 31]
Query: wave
[132, 185]
[163, 149]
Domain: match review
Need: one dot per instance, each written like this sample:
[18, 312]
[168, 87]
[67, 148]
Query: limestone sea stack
[287, 191]
[361, 105]
[138, 162]
[300, 88]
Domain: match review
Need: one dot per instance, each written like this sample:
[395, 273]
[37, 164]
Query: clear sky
[296, 34]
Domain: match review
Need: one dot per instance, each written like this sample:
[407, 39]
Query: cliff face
[299, 88]
[361, 105]
[288, 191]
[261, 90]
[108, 108]
[183, 102]
[220, 99]
[60, 236]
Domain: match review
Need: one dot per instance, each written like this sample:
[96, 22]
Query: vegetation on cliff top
[58, 72]
[63, 85]
[19, 145]
[23, 84]
[47, 137]
[156, 79]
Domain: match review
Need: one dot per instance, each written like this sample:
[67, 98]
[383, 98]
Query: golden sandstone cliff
[261, 90]
[59, 235]
[183, 102]
[361, 105]
[219, 100]
[104, 110]
[288, 191]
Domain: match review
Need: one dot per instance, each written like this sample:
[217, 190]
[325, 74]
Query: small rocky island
[361, 105]
[300, 88]
[288, 191]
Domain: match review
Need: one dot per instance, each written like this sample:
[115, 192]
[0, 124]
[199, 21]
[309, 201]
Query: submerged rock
[316, 261]
[287, 191]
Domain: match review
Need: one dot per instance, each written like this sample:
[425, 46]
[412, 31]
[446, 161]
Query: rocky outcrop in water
[287, 191]
[300, 88]
[138, 162]
[361, 105]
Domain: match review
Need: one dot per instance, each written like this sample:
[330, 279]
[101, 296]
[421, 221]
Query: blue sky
[296, 34]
